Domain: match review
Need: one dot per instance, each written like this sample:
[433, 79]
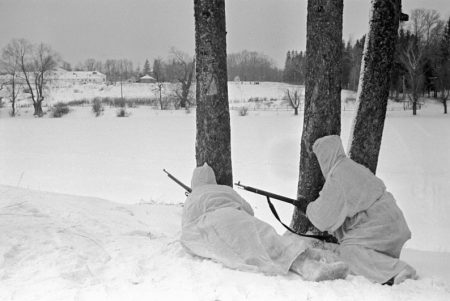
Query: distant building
[77, 77]
[62, 77]
[147, 79]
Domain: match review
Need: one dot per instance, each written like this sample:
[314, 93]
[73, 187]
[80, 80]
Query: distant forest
[422, 58]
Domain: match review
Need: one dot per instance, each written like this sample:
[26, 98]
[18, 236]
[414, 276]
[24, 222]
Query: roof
[147, 77]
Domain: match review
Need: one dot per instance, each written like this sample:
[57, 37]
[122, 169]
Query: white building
[77, 77]
[147, 79]
[61, 77]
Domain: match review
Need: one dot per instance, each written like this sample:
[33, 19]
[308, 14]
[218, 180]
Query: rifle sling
[275, 213]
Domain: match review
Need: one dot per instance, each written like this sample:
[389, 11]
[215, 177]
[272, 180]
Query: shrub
[107, 101]
[97, 107]
[79, 102]
[59, 109]
[120, 102]
[243, 111]
[122, 113]
[257, 99]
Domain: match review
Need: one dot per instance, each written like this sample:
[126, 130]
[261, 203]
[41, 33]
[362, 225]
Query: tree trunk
[213, 116]
[373, 90]
[403, 88]
[295, 111]
[13, 96]
[13, 108]
[160, 96]
[414, 106]
[38, 108]
[322, 114]
[184, 96]
[445, 106]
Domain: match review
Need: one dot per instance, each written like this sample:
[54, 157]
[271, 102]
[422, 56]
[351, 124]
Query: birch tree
[213, 117]
[374, 84]
[322, 95]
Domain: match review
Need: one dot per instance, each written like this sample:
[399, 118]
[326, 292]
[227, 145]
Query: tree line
[420, 64]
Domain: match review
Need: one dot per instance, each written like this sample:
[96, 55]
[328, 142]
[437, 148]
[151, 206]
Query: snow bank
[63, 247]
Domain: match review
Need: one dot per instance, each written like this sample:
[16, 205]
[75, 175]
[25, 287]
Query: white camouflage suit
[355, 206]
[217, 223]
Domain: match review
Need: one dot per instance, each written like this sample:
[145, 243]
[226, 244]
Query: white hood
[203, 175]
[329, 151]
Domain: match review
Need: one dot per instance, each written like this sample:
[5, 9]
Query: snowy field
[124, 246]
[238, 91]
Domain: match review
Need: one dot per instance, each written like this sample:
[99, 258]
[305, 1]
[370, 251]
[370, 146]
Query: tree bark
[322, 115]
[38, 108]
[373, 91]
[414, 105]
[213, 116]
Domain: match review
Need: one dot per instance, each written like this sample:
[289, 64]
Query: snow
[63, 247]
[121, 242]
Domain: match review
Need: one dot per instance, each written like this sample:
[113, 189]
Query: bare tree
[158, 74]
[252, 66]
[412, 59]
[444, 97]
[430, 20]
[373, 91]
[10, 66]
[110, 70]
[322, 95]
[444, 65]
[123, 70]
[213, 143]
[36, 62]
[66, 66]
[89, 64]
[294, 98]
[183, 68]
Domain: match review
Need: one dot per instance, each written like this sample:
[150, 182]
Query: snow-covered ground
[238, 91]
[70, 247]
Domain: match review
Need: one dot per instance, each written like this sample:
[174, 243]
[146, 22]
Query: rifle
[187, 188]
[299, 203]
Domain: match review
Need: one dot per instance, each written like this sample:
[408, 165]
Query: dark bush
[97, 107]
[243, 111]
[79, 102]
[122, 113]
[59, 109]
[120, 102]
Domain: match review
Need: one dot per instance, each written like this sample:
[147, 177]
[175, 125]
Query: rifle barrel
[187, 188]
[297, 203]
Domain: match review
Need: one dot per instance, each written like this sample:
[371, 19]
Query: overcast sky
[140, 29]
